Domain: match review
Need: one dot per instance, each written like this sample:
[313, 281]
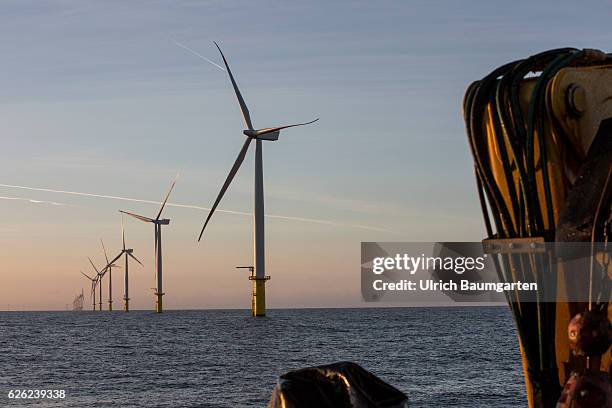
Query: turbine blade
[87, 276]
[166, 199]
[94, 266]
[243, 106]
[229, 179]
[122, 232]
[112, 263]
[134, 258]
[138, 217]
[104, 249]
[276, 129]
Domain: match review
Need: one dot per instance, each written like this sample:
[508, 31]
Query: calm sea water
[440, 357]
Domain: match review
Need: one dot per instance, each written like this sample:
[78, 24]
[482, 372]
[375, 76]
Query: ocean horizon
[248, 310]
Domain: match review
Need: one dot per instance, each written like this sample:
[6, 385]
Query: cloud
[197, 207]
[200, 55]
[33, 201]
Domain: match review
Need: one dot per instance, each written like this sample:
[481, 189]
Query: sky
[96, 97]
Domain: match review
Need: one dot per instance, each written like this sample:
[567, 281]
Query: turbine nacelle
[262, 134]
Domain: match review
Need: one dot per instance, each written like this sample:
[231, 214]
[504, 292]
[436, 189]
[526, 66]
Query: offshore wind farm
[258, 275]
[139, 198]
[168, 279]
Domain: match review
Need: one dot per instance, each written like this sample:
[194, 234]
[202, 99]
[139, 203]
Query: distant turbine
[94, 282]
[109, 267]
[157, 222]
[128, 252]
[270, 134]
[99, 275]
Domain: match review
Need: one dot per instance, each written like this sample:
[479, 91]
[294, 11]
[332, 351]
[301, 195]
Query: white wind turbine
[99, 275]
[94, 283]
[157, 223]
[259, 135]
[109, 267]
[128, 253]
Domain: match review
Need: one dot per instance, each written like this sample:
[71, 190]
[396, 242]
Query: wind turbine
[94, 282]
[99, 275]
[157, 222]
[259, 135]
[128, 253]
[109, 267]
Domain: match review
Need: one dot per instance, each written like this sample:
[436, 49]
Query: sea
[440, 357]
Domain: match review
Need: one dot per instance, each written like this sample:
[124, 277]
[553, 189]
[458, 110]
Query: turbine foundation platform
[258, 302]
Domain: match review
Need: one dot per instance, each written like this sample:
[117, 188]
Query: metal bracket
[514, 245]
[255, 278]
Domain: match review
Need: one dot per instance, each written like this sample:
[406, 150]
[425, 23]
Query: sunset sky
[97, 98]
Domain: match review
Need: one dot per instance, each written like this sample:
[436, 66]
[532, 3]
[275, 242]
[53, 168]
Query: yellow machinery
[540, 131]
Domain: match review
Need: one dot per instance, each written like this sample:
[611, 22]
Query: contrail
[199, 55]
[33, 201]
[197, 207]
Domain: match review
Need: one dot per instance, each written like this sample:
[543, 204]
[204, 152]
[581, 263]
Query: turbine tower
[94, 282]
[109, 267]
[157, 223]
[259, 135]
[128, 253]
